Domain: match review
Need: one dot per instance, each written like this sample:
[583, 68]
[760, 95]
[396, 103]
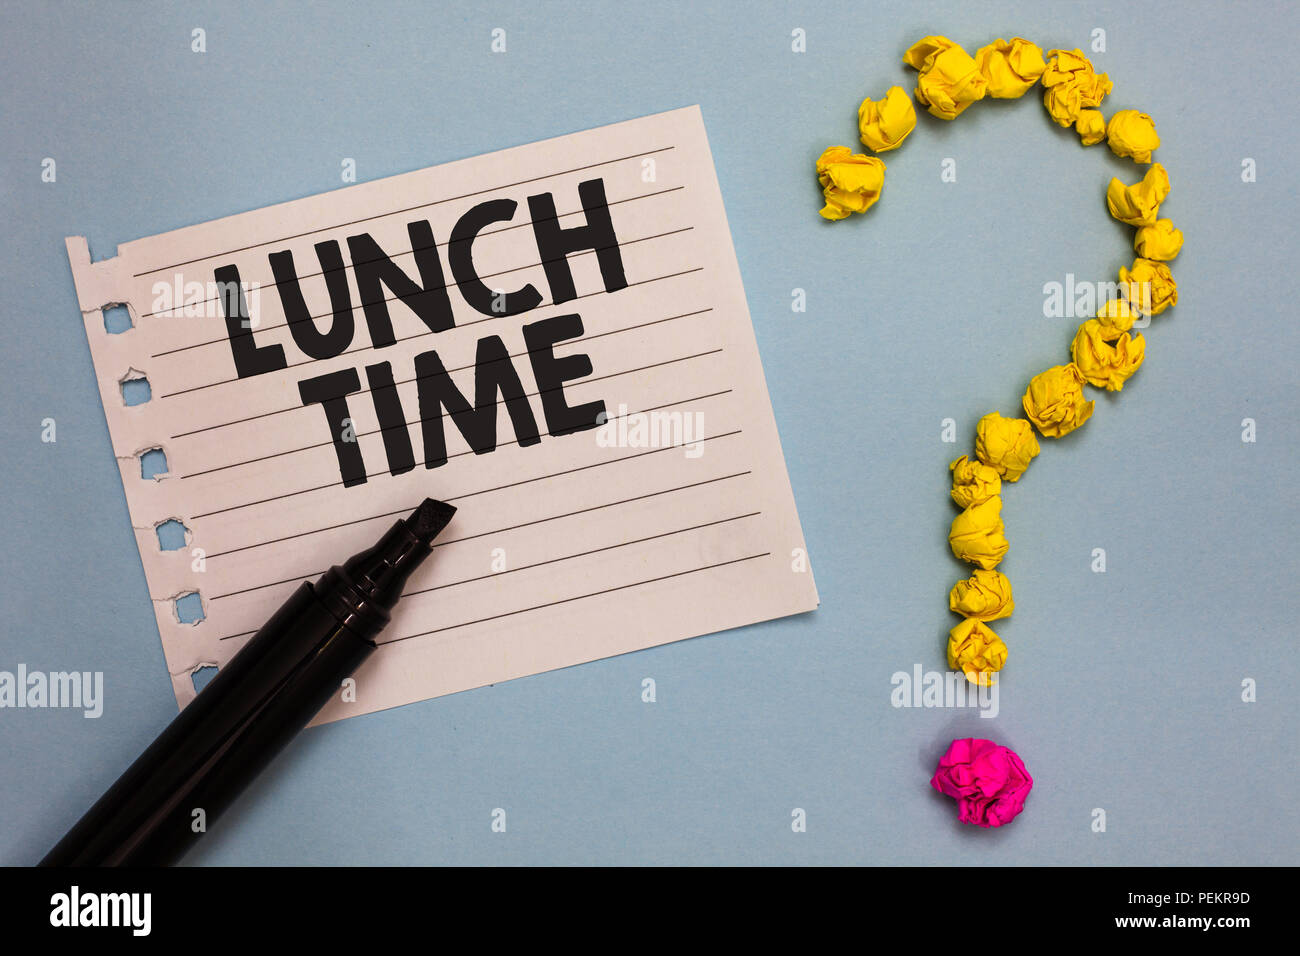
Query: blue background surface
[1123, 690]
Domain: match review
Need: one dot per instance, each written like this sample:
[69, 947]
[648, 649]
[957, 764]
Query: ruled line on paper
[580, 597]
[582, 554]
[524, 567]
[460, 368]
[472, 494]
[568, 600]
[406, 252]
[376, 474]
[398, 212]
[514, 527]
[496, 403]
[461, 325]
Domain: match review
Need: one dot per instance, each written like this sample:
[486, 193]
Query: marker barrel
[205, 758]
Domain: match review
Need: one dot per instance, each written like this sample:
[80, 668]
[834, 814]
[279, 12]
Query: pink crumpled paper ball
[988, 781]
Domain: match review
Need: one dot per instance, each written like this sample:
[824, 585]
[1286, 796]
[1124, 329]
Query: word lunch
[496, 378]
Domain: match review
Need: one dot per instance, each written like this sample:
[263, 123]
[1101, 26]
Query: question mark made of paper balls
[989, 781]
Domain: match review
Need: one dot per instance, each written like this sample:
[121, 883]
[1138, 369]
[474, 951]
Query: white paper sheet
[673, 518]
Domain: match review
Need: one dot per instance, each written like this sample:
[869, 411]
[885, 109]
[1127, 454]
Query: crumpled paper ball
[950, 79]
[884, 124]
[1117, 314]
[1132, 133]
[1054, 400]
[1071, 86]
[1010, 69]
[973, 482]
[1148, 286]
[1139, 204]
[1091, 127]
[988, 781]
[1160, 241]
[1007, 445]
[1106, 357]
[851, 182]
[976, 651]
[976, 535]
[984, 596]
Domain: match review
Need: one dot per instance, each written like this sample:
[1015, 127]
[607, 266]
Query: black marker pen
[255, 705]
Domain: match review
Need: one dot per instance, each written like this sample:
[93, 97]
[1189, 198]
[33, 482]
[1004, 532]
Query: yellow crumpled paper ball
[1160, 240]
[984, 596]
[1148, 286]
[1010, 69]
[1117, 314]
[851, 182]
[1106, 356]
[884, 124]
[1007, 445]
[976, 651]
[973, 482]
[1054, 400]
[976, 535]
[1139, 204]
[1091, 127]
[1072, 86]
[950, 79]
[1132, 133]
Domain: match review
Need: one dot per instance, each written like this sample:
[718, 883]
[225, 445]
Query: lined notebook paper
[554, 338]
